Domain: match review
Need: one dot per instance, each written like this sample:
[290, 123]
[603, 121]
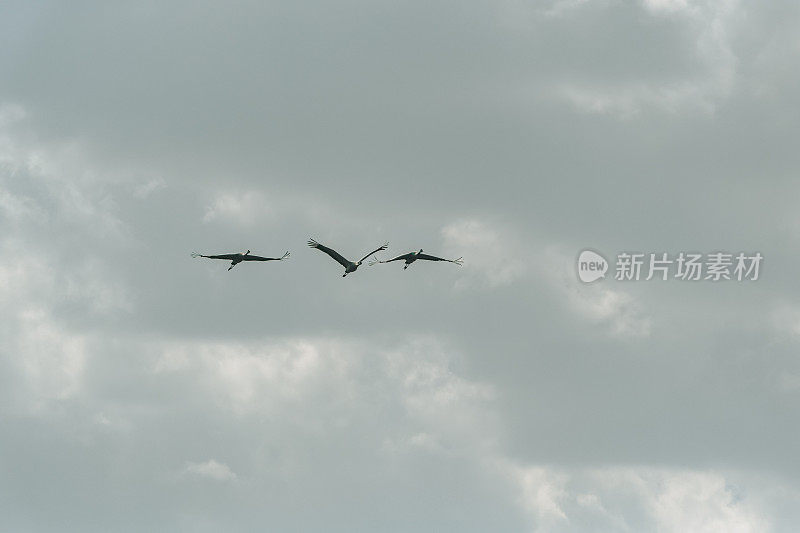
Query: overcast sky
[143, 390]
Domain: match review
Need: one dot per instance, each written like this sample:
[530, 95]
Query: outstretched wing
[385, 246]
[229, 257]
[249, 257]
[333, 253]
[426, 257]
[398, 258]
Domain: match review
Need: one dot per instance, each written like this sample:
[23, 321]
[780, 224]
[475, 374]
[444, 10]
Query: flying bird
[410, 257]
[235, 259]
[348, 265]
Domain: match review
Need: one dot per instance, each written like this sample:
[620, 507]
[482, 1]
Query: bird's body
[349, 266]
[235, 259]
[410, 257]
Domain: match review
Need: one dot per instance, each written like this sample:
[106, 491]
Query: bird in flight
[348, 265]
[235, 259]
[410, 257]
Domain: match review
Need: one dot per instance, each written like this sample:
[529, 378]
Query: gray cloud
[144, 389]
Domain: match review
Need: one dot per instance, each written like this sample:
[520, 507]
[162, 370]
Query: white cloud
[425, 408]
[47, 358]
[699, 502]
[496, 258]
[211, 469]
[145, 189]
[542, 492]
[335, 379]
[686, 500]
[619, 310]
[69, 190]
[629, 100]
[324, 385]
[668, 5]
[452, 412]
[492, 257]
[711, 24]
[614, 309]
[562, 7]
[52, 359]
[19, 208]
[633, 499]
[263, 376]
[51, 194]
[237, 207]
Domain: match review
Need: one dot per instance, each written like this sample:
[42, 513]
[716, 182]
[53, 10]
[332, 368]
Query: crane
[235, 259]
[349, 266]
[410, 257]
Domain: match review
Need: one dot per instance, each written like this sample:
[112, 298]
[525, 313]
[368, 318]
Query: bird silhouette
[410, 257]
[349, 266]
[235, 259]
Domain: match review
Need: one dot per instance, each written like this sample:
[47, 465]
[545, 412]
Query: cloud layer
[141, 389]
